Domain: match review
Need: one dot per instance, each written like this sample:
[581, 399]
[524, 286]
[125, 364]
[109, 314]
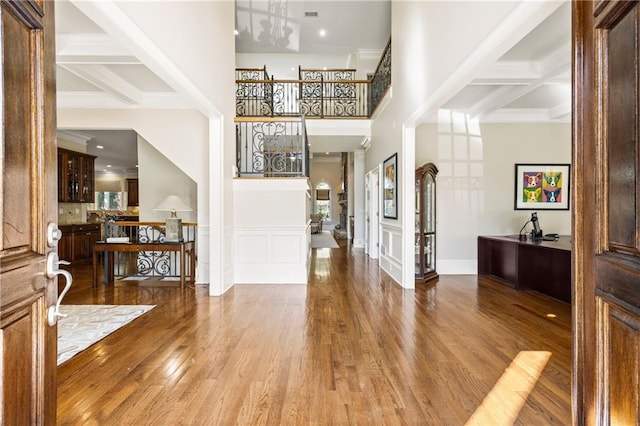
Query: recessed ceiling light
[236, 32]
[99, 146]
[108, 165]
[327, 153]
[323, 33]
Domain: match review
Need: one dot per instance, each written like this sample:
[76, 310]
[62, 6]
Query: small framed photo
[542, 186]
[390, 187]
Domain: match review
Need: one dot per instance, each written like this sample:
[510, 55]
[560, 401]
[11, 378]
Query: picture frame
[542, 187]
[390, 187]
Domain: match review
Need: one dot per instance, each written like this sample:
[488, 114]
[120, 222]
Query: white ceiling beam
[522, 115]
[107, 80]
[111, 18]
[89, 45]
[509, 72]
[560, 110]
[103, 60]
[164, 100]
[553, 65]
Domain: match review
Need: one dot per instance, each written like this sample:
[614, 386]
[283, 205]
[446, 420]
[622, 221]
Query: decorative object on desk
[542, 186]
[536, 233]
[390, 187]
[173, 224]
[117, 239]
[84, 325]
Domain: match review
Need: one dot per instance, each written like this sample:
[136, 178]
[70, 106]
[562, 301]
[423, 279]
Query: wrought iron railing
[272, 148]
[317, 93]
[381, 79]
[146, 264]
[312, 98]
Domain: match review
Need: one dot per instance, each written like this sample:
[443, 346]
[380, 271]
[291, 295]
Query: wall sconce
[173, 224]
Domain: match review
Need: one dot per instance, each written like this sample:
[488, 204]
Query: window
[323, 201]
[110, 201]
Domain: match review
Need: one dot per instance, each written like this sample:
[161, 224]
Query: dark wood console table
[543, 266]
[185, 248]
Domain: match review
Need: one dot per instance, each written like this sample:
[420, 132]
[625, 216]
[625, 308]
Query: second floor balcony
[317, 93]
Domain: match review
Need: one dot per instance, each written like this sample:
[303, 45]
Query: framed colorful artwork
[390, 187]
[542, 186]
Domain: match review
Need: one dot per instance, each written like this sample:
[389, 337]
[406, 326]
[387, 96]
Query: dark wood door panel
[617, 276]
[16, 190]
[606, 217]
[622, 132]
[27, 194]
[620, 335]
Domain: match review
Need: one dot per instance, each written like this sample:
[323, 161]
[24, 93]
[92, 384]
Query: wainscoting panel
[286, 249]
[271, 256]
[391, 251]
[252, 249]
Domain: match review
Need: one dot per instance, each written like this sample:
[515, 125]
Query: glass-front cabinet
[425, 223]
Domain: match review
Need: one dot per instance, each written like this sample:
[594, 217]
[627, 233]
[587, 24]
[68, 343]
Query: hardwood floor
[349, 348]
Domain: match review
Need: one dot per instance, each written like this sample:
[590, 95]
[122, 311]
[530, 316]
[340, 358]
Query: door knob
[53, 312]
[54, 234]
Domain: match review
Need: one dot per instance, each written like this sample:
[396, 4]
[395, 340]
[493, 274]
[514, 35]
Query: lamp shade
[173, 204]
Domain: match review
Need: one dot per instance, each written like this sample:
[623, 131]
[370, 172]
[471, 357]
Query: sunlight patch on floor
[503, 403]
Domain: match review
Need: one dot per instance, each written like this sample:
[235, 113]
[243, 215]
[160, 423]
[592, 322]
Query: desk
[543, 266]
[185, 248]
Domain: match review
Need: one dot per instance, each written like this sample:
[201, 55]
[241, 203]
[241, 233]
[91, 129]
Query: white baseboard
[457, 266]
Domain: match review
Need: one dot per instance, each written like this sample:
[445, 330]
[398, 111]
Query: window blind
[322, 194]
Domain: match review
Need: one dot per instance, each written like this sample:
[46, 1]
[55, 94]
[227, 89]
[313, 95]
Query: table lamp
[173, 224]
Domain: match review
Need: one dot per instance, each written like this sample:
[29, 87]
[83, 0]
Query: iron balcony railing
[146, 263]
[317, 93]
[274, 147]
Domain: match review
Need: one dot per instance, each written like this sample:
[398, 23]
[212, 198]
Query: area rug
[323, 239]
[84, 325]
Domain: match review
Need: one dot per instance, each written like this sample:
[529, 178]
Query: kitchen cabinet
[132, 192]
[65, 244]
[76, 176]
[77, 241]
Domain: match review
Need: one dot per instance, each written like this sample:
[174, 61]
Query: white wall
[181, 135]
[285, 65]
[475, 183]
[190, 64]
[158, 178]
[437, 47]
[272, 241]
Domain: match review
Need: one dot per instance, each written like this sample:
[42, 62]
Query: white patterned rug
[84, 325]
[323, 239]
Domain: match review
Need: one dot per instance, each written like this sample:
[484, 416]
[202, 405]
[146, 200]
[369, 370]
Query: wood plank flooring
[349, 348]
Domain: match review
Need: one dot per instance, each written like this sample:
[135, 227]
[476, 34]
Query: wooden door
[606, 216]
[28, 199]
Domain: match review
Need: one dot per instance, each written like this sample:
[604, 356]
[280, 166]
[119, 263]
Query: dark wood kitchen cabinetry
[76, 177]
[132, 192]
[65, 245]
[77, 241]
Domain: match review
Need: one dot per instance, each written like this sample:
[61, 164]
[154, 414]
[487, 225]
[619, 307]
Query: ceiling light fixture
[236, 32]
[108, 165]
[99, 146]
[323, 33]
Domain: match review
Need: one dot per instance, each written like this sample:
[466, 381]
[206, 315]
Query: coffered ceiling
[531, 82]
